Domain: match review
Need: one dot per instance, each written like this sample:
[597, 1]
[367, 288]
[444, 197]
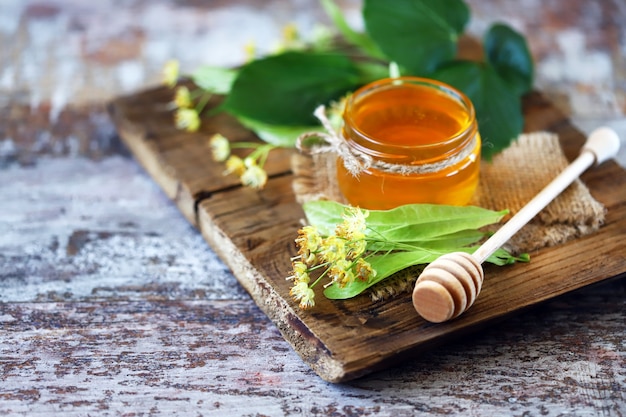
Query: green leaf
[411, 235]
[371, 71]
[508, 52]
[456, 239]
[501, 257]
[391, 263]
[324, 214]
[417, 34]
[498, 109]
[214, 79]
[285, 89]
[283, 136]
[358, 39]
[410, 222]
[423, 222]
[385, 266]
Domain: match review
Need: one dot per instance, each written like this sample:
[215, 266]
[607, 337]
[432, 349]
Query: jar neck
[409, 120]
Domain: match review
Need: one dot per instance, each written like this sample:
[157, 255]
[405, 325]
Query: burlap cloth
[509, 181]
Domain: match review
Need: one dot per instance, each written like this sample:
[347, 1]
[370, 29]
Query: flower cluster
[171, 71]
[187, 116]
[249, 169]
[321, 39]
[340, 257]
[189, 104]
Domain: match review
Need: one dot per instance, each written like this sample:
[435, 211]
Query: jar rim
[447, 89]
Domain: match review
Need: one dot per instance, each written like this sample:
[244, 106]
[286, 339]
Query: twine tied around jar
[356, 162]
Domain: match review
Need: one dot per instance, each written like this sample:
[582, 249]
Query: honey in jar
[416, 141]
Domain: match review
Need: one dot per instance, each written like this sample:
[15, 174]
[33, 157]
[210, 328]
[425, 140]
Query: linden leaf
[508, 52]
[413, 222]
[278, 135]
[414, 234]
[390, 263]
[417, 34]
[285, 89]
[407, 223]
[385, 266]
[498, 108]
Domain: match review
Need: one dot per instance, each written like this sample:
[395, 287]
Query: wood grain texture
[253, 233]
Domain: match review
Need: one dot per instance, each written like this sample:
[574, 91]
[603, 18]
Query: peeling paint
[111, 304]
[77, 221]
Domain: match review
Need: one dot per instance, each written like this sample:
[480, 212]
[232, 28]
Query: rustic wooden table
[112, 304]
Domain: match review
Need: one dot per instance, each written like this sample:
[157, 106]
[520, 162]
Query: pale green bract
[388, 264]
[409, 235]
[277, 135]
[214, 79]
[408, 222]
[385, 266]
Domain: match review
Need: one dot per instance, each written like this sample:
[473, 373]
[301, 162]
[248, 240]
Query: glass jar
[415, 140]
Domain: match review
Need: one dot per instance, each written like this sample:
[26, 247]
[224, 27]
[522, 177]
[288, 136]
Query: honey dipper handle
[602, 144]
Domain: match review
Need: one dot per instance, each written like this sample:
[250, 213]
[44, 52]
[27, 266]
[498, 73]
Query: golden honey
[417, 141]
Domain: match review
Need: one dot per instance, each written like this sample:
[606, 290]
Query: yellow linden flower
[170, 72]
[308, 241]
[333, 248]
[335, 112]
[353, 225]
[301, 272]
[254, 176]
[235, 165]
[301, 292]
[308, 299]
[250, 51]
[290, 39]
[355, 248]
[187, 119]
[364, 270]
[182, 98]
[290, 33]
[298, 289]
[341, 272]
[220, 147]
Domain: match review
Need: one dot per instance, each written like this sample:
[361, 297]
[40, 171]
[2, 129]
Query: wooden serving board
[253, 232]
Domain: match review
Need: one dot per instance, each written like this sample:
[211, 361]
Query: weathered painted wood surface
[111, 304]
[223, 358]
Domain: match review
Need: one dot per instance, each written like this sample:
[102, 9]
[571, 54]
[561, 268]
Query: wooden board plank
[253, 233]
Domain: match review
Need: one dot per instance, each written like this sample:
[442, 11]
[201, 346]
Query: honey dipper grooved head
[447, 287]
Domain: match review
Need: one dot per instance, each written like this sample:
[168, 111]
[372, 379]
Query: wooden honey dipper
[449, 285]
